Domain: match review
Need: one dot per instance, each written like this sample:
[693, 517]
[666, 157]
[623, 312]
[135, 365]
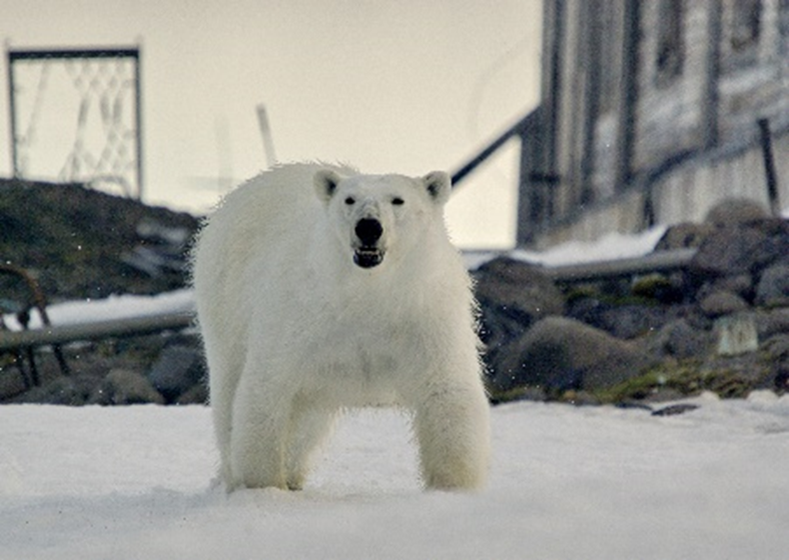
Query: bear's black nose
[369, 231]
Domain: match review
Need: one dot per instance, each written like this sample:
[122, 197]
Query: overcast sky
[391, 86]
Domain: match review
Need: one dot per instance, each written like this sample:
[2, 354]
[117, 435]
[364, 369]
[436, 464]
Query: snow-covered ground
[566, 483]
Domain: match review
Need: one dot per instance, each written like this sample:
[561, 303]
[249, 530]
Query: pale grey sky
[389, 85]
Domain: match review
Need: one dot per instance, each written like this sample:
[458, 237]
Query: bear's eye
[350, 201]
[397, 201]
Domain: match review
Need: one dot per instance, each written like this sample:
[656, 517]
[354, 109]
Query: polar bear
[321, 289]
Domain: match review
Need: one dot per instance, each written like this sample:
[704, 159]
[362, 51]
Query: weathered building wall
[658, 96]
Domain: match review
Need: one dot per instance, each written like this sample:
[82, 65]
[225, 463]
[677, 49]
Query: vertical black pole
[626, 134]
[769, 166]
[138, 119]
[12, 115]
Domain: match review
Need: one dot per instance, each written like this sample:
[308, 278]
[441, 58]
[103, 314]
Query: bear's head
[373, 215]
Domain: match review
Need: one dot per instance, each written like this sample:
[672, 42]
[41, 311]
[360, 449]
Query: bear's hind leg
[309, 428]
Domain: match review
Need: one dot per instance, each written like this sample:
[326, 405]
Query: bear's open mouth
[368, 257]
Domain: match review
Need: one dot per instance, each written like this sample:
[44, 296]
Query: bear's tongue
[368, 258]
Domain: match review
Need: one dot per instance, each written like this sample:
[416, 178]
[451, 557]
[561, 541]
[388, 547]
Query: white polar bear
[320, 289]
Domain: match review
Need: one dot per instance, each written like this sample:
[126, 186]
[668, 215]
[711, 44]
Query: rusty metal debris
[35, 299]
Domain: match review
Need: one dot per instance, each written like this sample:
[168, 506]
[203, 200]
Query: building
[651, 113]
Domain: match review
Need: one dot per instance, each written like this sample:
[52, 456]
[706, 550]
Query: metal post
[265, 133]
[769, 166]
[138, 118]
[12, 116]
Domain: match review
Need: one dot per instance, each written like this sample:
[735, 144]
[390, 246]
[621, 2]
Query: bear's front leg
[260, 425]
[452, 425]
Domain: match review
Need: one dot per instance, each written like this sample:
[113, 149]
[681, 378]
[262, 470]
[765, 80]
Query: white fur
[295, 331]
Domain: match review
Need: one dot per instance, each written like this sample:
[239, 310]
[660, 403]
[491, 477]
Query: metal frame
[70, 54]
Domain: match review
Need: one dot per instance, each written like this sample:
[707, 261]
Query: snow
[111, 308]
[597, 482]
[609, 247]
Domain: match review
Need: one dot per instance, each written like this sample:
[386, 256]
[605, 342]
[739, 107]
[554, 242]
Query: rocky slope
[721, 324]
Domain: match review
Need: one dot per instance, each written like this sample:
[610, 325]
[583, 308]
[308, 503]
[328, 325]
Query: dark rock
[198, 394]
[562, 354]
[683, 236]
[122, 387]
[735, 211]
[622, 321]
[739, 284]
[721, 303]
[680, 339]
[781, 379]
[512, 296]
[772, 322]
[660, 288]
[727, 251]
[68, 391]
[178, 369]
[776, 348]
[775, 248]
[675, 409]
[773, 287]
[12, 381]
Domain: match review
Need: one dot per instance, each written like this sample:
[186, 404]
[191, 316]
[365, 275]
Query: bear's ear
[438, 185]
[326, 181]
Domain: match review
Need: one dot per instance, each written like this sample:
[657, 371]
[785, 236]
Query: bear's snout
[368, 252]
[369, 231]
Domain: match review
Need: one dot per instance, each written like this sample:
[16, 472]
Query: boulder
[722, 302]
[625, 321]
[773, 287]
[686, 235]
[198, 394]
[122, 386]
[560, 354]
[680, 339]
[512, 296]
[176, 371]
[728, 251]
[69, 391]
[735, 211]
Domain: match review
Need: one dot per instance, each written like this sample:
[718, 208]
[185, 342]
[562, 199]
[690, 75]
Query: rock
[772, 322]
[675, 409]
[735, 211]
[739, 284]
[177, 370]
[680, 339]
[512, 296]
[563, 354]
[728, 251]
[12, 381]
[125, 387]
[773, 287]
[737, 334]
[198, 394]
[777, 348]
[68, 391]
[684, 236]
[775, 248]
[622, 321]
[721, 303]
[666, 289]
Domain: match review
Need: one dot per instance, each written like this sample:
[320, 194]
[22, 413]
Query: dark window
[670, 46]
[783, 16]
[746, 24]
